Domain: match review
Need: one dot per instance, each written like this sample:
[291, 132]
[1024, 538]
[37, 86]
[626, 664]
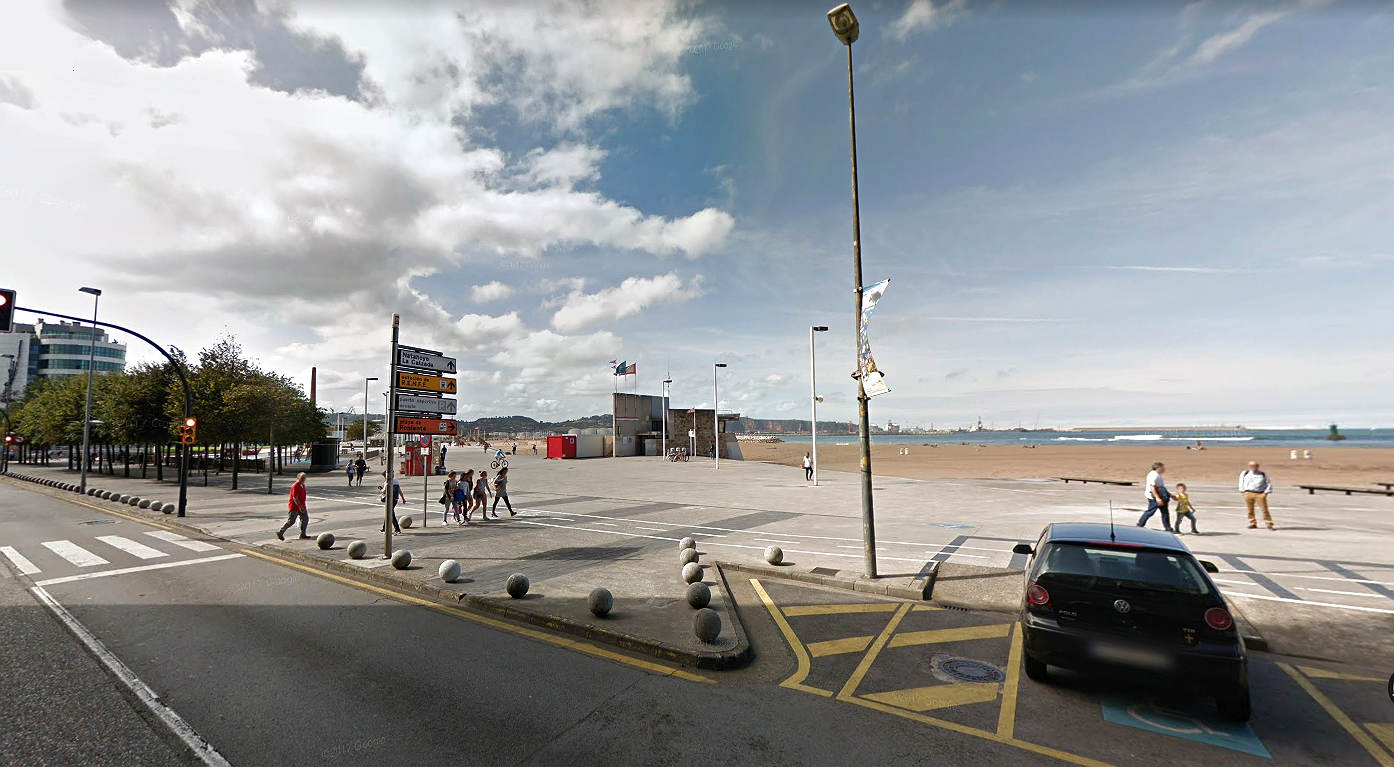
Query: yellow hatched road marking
[937, 696]
[924, 608]
[856, 607]
[1337, 714]
[1006, 718]
[1383, 732]
[542, 636]
[937, 636]
[1321, 673]
[838, 646]
[795, 681]
[870, 657]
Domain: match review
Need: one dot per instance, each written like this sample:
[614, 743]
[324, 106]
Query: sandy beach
[1354, 467]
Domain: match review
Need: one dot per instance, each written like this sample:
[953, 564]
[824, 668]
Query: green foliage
[354, 431]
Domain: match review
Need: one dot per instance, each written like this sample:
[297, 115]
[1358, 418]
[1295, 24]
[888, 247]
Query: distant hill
[789, 426]
[521, 424]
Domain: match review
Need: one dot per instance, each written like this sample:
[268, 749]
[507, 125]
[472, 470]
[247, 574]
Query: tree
[354, 431]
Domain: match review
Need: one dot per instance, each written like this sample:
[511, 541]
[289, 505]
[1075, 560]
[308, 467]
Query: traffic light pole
[183, 380]
[387, 520]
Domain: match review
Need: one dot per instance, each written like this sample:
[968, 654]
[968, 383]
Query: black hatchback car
[1135, 600]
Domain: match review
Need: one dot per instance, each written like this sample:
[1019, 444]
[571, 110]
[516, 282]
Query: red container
[561, 447]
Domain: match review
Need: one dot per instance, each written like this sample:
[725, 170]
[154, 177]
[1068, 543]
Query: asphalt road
[273, 665]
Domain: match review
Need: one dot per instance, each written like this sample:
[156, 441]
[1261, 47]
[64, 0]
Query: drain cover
[823, 571]
[951, 669]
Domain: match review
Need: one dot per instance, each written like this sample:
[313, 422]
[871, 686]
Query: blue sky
[1146, 213]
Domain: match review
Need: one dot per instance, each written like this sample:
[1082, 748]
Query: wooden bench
[1385, 485]
[1312, 489]
[1087, 480]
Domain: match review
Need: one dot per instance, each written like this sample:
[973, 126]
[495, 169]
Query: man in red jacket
[295, 504]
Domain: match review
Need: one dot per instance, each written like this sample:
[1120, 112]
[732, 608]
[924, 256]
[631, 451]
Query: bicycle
[499, 463]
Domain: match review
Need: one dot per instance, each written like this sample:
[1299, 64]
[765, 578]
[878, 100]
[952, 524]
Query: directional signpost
[417, 406]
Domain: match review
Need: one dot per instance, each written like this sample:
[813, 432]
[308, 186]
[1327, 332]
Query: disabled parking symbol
[1183, 722]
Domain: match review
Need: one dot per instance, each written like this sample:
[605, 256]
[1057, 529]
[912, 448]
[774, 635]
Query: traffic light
[188, 431]
[7, 310]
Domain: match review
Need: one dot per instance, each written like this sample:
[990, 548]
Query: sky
[1091, 213]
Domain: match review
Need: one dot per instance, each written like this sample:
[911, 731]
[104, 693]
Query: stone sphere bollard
[774, 555]
[687, 555]
[357, 549]
[104, 494]
[123, 499]
[600, 601]
[449, 571]
[405, 522]
[706, 624]
[401, 559]
[517, 585]
[325, 541]
[134, 501]
[699, 595]
[144, 503]
[687, 543]
[692, 572]
[169, 508]
[91, 491]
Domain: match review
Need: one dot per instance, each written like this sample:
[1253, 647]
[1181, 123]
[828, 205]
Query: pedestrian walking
[1184, 509]
[295, 505]
[442, 455]
[447, 498]
[807, 467]
[361, 466]
[1255, 486]
[481, 495]
[467, 491]
[515, 448]
[397, 497]
[352, 472]
[501, 492]
[534, 448]
[460, 497]
[1157, 497]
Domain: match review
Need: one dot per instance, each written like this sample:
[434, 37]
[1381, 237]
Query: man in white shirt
[1157, 497]
[1255, 486]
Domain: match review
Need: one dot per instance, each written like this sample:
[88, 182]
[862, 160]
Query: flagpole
[614, 423]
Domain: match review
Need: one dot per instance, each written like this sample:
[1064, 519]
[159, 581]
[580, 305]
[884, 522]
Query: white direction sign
[438, 363]
[418, 404]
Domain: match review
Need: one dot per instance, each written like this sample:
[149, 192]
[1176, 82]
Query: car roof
[1084, 532]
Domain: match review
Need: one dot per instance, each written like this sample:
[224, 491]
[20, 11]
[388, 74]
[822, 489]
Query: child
[352, 472]
[1184, 509]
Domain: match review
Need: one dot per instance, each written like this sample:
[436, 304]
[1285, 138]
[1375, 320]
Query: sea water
[1302, 438]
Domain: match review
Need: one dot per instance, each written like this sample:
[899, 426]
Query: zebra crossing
[86, 557]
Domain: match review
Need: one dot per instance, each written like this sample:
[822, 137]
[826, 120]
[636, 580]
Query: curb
[1253, 640]
[919, 588]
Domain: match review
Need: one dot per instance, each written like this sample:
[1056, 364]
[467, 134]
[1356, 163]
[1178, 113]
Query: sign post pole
[391, 497]
[426, 480]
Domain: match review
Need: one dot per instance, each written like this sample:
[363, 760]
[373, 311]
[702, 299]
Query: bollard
[699, 595]
[325, 541]
[774, 555]
[687, 543]
[357, 549]
[600, 601]
[692, 572]
[517, 585]
[706, 624]
[449, 571]
[401, 559]
[687, 555]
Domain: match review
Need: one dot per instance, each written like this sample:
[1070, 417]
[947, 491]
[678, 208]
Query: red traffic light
[191, 421]
[7, 310]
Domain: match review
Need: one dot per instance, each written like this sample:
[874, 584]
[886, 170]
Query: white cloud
[632, 296]
[925, 16]
[490, 291]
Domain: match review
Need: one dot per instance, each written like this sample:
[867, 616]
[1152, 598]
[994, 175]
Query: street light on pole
[667, 385]
[87, 409]
[716, 416]
[365, 416]
[813, 396]
[846, 29]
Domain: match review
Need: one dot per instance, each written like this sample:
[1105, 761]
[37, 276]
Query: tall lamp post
[365, 416]
[846, 28]
[667, 387]
[813, 395]
[716, 416]
[87, 409]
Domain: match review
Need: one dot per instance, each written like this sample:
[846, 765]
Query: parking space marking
[870, 657]
[920, 699]
[1006, 718]
[1363, 738]
[1182, 719]
[939, 636]
[838, 646]
[795, 681]
[855, 607]
[1321, 673]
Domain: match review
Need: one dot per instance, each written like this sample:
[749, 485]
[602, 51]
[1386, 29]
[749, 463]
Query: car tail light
[1037, 595]
[1219, 619]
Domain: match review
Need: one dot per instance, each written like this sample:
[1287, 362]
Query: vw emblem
[1122, 606]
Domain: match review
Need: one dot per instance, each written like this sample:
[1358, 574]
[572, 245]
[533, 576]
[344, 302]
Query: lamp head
[721, 364]
[819, 328]
[374, 378]
[844, 23]
[90, 291]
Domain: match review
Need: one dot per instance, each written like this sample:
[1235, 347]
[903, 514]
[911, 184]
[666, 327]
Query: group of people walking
[465, 494]
[1253, 484]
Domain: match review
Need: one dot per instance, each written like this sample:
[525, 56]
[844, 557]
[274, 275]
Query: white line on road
[75, 553]
[22, 564]
[654, 529]
[1313, 604]
[776, 540]
[606, 524]
[179, 540]
[1344, 593]
[201, 748]
[127, 570]
[131, 547]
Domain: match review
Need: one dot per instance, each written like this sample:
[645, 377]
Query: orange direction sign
[420, 382]
[423, 426]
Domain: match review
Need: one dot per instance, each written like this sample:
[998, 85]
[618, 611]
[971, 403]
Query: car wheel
[1035, 669]
[1234, 706]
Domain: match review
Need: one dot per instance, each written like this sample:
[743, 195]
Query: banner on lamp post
[873, 382]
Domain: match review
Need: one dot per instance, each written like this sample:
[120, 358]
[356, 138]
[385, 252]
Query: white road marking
[1234, 583]
[131, 547]
[179, 540]
[708, 535]
[776, 540]
[24, 566]
[1313, 577]
[606, 524]
[127, 570]
[653, 529]
[200, 747]
[1313, 604]
[958, 554]
[75, 553]
[1344, 593]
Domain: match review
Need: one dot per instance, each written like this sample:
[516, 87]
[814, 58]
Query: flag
[627, 368]
[619, 367]
[873, 382]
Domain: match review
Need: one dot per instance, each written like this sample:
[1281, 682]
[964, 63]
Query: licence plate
[1131, 656]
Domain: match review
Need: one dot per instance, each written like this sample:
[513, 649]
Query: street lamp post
[667, 386]
[846, 28]
[716, 416]
[87, 409]
[813, 396]
[365, 416]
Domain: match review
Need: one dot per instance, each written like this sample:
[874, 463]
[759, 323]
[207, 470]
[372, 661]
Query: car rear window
[1089, 565]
